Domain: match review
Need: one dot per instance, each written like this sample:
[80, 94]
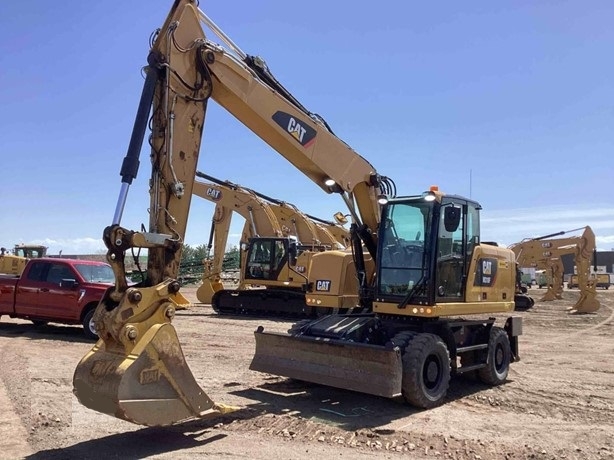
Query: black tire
[297, 328]
[88, 325]
[426, 371]
[499, 358]
[38, 323]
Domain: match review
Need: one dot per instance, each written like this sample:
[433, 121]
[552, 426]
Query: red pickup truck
[56, 290]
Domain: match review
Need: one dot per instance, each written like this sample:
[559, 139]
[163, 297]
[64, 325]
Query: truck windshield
[406, 227]
[96, 273]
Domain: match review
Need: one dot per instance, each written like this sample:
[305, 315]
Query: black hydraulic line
[130, 165]
[359, 262]
[210, 243]
[562, 232]
[548, 236]
[367, 238]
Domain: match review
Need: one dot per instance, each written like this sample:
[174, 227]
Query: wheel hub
[431, 374]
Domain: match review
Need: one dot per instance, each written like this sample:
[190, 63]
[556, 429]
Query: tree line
[191, 266]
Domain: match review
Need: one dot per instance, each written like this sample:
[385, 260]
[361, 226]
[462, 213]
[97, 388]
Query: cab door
[54, 300]
[28, 287]
[451, 252]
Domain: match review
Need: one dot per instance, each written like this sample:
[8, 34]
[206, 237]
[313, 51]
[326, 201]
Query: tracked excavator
[544, 253]
[279, 242]
[416, 268]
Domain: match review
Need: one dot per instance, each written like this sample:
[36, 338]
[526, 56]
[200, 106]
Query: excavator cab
[267, 258]
[426, 249]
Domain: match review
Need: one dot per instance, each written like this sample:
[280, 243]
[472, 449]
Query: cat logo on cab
[323, 285]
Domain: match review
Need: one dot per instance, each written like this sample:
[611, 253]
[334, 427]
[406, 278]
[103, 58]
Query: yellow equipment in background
[277, 243]
[544, 253]
[13, 264]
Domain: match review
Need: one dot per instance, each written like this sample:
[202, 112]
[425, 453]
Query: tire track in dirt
[13, 432]
[606, 321]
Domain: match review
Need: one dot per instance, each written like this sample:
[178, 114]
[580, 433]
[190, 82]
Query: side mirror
[451, 218]
[69, 283]
[292, 252]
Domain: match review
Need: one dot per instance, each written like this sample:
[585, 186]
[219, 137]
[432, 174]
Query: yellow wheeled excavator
[278, 241]
[416, 266]
[544, 253]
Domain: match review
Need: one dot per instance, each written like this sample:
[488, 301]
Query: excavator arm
[137, 370]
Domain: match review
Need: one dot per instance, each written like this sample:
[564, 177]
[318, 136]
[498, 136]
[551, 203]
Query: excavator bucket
[587, 303]
[150, 386]
[180, 301]
[371, 369]
[137, 370]
[205, 291]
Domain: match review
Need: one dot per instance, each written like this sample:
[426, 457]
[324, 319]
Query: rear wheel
[426, 371]
[499, 358]
[89, 328]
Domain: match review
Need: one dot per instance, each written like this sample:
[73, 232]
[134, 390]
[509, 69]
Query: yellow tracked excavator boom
[265, 217]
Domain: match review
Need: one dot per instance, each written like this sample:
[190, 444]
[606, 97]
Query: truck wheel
[499, 358]
[88, 325]
[426, 371]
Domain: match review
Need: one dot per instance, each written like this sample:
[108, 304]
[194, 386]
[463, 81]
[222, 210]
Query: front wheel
[426, 371]
[499, 358]
[89, 328]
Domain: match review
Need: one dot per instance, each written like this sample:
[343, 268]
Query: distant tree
[231, 259]
[191, 264]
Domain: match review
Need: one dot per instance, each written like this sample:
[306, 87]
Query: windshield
[406, 226]
[96, 273]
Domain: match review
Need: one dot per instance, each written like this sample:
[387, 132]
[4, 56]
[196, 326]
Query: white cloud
[72, 246]
[513, 225]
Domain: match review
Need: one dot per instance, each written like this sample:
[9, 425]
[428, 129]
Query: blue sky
[509, 102]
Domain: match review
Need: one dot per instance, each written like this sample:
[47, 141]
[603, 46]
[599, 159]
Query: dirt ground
[558, 402]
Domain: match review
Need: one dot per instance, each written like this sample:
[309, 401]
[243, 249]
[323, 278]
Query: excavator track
[263, 302]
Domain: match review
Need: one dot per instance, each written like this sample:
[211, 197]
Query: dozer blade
[371, 369]
[152, 385]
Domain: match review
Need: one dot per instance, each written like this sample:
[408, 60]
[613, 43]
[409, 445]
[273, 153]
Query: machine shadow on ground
[139, 444]
[47, 332]
[345, 409]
